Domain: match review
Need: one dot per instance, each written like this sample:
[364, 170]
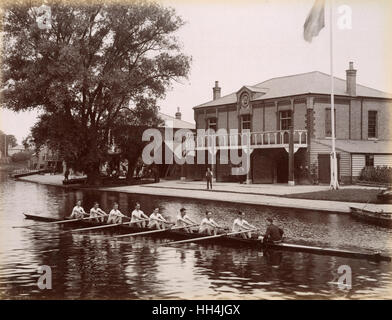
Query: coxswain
[138, 217]
[184, 221]
[115, 215]
[208, 225]
[97, 213]
[78, 211]
[273, 232]
[157, 221]
[240, 224]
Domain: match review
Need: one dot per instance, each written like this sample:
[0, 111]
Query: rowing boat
[379, 218]
[228, 240]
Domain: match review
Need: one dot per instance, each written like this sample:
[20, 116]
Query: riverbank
[262, 195]
[12, 166]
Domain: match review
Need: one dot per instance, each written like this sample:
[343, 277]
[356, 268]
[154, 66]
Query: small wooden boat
[226, 240]
[24, 173]
[380, 218]
[385, 196]
[75, 181]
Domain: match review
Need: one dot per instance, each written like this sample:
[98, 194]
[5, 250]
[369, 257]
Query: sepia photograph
[191, 150]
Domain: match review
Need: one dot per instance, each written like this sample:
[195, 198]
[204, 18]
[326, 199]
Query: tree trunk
[93, 176]
[131, 169]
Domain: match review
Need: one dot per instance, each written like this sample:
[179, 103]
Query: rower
[115, 215]
[138, 216]
[184, 221]
[97, 213]
[157, 221]
[208, 225]
[273, 232]
[78, 211]
[240, 224]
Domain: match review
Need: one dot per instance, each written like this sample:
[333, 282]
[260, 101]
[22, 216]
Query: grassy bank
[347, 195]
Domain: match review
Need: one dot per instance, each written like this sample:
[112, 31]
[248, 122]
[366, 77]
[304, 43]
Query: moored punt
[231, 240]
[385, 196]
[383, 219]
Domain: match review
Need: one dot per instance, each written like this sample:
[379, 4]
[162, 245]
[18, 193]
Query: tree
[7, 140]
[128, 131]
[28, 142]
[11, 140]
[21, 156]
[94, 62]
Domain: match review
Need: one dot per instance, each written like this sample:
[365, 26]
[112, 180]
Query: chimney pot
[351, 80]
[178, 114]
[216, 91]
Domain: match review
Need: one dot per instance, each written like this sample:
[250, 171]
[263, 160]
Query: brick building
[268, 110]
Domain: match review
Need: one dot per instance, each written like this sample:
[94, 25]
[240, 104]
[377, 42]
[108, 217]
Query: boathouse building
[288, 120]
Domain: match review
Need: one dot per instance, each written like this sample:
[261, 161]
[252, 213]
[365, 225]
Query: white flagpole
[334, 174]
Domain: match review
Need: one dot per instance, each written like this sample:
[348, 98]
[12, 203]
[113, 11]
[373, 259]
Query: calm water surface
[91, 265]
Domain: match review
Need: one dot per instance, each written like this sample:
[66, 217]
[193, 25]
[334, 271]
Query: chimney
[216, 91]
[351, 80]
[178, 114]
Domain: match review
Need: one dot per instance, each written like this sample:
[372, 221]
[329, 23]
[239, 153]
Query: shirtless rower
[97, 213]
[78, 211]
[208, 225]
[157, 221]
[184, 221]
[115, 215]
[138, 217]
[240, 224]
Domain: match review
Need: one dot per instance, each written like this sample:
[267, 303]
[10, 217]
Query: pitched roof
[176, 123]
[360, 146]
[315, 82]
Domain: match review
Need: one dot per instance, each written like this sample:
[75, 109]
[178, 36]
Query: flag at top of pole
[315, 21]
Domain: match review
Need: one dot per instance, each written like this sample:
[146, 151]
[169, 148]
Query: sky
[246, 42]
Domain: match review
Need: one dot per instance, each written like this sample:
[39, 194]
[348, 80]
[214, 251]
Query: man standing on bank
[209, 178]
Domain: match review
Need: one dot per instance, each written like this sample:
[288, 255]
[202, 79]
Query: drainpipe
[291, 157]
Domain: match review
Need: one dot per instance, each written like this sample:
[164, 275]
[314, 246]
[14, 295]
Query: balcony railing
[253, 140]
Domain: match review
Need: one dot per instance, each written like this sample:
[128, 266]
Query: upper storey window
[245, 122]
[328, 126]
[211, 124]
[372, 124]
[285, 119]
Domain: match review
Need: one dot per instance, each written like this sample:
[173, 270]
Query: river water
[91, 265]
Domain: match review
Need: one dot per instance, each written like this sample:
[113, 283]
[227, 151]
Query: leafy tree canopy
[92, 64]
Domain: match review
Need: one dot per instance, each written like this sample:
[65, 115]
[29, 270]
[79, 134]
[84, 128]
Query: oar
[54, 222]
[210, 237]
[104, 226]
[151, 231]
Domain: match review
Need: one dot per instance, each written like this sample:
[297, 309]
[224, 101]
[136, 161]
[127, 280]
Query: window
[285, 120]
[211, 124]
[372, 124]
[369, 160]
[328, 126]
[245, 122]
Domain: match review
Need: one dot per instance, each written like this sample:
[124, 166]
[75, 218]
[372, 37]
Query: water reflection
[92, 265]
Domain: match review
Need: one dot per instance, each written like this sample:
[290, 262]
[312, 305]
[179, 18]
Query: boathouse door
[262, 168]
[324, 168]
